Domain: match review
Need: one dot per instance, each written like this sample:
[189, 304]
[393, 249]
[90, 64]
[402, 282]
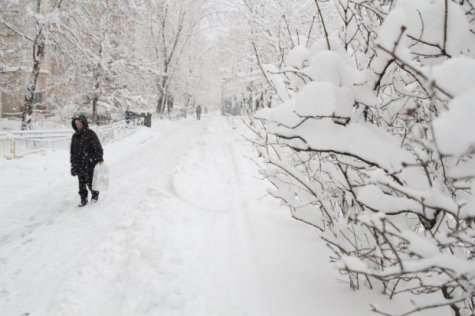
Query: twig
[323, 24]
[265, 73]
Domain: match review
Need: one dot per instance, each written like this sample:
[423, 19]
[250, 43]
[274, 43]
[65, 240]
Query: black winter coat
[86, 149]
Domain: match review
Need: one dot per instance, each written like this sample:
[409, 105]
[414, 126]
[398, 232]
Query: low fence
[116, 130]
[7, 145]
[44, 113]
[15, 144]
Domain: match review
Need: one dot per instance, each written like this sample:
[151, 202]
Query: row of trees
[266, 30]
[372, 143]
[118, 54]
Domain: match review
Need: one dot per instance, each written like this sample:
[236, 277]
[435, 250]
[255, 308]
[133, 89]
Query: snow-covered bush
[374, 145]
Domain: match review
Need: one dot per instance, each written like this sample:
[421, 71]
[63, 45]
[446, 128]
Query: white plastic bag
[100, 179]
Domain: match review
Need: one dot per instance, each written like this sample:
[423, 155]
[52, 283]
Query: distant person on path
[198, 112]
[86, 152]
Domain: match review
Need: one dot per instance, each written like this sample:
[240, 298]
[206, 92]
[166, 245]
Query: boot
[83, 202]
[95, 196]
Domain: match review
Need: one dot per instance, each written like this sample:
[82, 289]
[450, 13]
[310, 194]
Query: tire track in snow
[233, 282]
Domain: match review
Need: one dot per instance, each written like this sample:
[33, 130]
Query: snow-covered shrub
[375, 145]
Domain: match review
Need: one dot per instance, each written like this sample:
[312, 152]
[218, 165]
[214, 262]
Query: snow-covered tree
[111, 68]
[32, 22]
[86, 50]
[373, 145]
[172, 25]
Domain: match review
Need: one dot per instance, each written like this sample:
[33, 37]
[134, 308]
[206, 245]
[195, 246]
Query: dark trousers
[198, 116]
[85, 182]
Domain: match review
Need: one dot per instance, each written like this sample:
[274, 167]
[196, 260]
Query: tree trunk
[38, 57]
[97, 92]
[98, 77]
[162, 99]
[94, 108]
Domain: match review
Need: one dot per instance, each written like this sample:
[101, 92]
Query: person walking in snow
[198, 112]
[86, 152]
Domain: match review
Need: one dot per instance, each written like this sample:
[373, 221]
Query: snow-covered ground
[185, 229]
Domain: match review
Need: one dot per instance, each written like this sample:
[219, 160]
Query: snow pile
[297, 57]
[324, 99]
[457, 122]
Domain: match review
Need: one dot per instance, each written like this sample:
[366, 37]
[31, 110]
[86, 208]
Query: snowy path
[181, 231]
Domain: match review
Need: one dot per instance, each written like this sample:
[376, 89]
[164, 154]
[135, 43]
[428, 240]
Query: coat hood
[82, 118]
